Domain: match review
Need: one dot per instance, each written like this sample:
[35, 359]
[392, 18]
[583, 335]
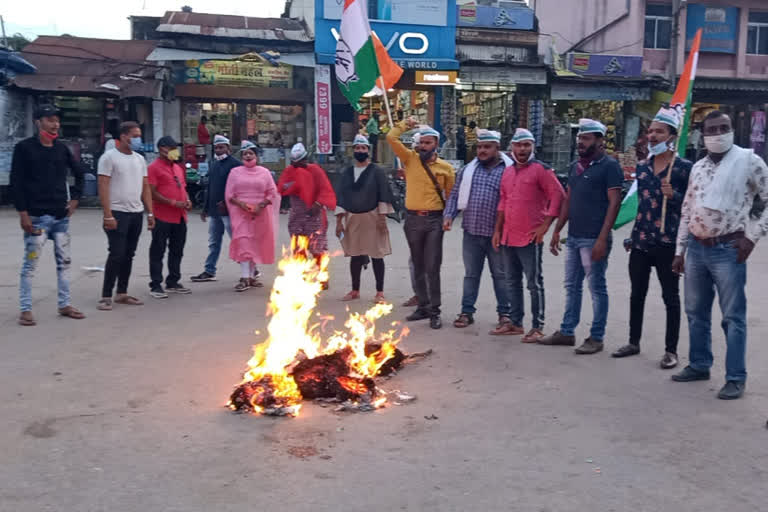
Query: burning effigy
[299, 361]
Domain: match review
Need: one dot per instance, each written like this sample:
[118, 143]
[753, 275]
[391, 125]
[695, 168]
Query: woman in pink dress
[251, 195]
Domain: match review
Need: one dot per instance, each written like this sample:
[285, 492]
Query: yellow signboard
[243, 73]
[436, 77]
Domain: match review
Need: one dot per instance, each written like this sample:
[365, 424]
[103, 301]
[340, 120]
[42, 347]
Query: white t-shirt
[127, 173]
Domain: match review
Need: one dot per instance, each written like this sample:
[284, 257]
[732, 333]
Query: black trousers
[425, 239]
[172, 236]
[122, 247]
[374, 140]
[356, 264]
[640, 264]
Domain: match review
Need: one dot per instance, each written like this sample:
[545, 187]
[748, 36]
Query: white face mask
[221, 157]
[719, 144]
[661, 147]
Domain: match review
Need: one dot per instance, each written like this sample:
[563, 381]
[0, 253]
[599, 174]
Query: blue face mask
[661, 147]
[137, 144]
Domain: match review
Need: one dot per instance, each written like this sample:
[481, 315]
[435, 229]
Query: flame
[291, 337]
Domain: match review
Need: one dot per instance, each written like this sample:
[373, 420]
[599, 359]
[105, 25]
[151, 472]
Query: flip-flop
[71, 312]
[27, 322]
[463, 320]
[350, 296]
[104, 305]
[128, 300]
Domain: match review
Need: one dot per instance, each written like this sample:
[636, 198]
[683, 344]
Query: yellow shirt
[420, 193]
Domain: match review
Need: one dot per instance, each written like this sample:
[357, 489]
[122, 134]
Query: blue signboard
[720, 27]
[413, 47]
[624, 66]
[514, 18]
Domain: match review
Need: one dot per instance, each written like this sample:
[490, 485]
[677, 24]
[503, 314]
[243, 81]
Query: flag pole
[386, 102]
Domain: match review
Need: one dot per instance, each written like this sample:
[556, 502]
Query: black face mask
[360, 156]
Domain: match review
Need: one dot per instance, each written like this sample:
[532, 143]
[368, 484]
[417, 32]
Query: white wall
[304, 10]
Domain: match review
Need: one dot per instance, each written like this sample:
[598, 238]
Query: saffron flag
[388, 68]
[357, 68]
[681, 101]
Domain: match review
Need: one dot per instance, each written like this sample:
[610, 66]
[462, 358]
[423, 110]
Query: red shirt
[528, 195]
[170, 181]
[203, 136]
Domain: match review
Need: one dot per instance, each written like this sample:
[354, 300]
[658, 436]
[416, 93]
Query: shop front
[425, 51]
[243, 99]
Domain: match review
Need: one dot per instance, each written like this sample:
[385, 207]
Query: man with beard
[530, 200]
[715, 238]
[591, 205]
[476, 193]
[428, 180]
[214, 205]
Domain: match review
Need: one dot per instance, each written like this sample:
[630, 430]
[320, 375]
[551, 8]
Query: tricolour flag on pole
[681, 101]
[388, 68]
[356, 66]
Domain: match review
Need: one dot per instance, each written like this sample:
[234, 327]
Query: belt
[426, 213]
[722, 239]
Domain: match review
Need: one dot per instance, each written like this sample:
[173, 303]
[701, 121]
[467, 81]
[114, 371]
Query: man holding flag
[662, 176]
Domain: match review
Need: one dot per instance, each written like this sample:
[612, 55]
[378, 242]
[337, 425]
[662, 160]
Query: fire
[268, 382]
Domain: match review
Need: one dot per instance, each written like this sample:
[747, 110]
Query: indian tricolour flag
[681, 101]
[356, 66]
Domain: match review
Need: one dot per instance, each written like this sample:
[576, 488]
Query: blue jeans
[58, 231]
[525, 260]
[216, 227]
[476, 249]
[708, 269]
[578, 265]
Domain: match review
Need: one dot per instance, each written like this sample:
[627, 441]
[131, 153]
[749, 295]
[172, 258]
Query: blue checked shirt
[480, 215]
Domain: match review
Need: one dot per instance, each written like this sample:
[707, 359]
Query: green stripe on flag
[628, 210]
[366, 70]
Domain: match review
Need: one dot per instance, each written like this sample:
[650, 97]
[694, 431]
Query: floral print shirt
[647, 232]
[702, 222]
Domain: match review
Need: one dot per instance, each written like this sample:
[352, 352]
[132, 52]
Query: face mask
[249, 163]
[136, 144]
[658, 149]
[719, 144]
[360, 156]
[220, 157]
[50, 137]
[174, 155]
[425, 155]
[514, 158]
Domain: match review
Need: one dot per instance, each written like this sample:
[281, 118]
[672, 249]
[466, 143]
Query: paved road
[124, 411]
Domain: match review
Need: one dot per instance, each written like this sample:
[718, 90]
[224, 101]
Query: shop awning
[277, 95]
[229, 26]
[729, 84]
[306, 59]
[76, 65]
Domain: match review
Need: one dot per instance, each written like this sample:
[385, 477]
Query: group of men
[509, 203]
[691, 219]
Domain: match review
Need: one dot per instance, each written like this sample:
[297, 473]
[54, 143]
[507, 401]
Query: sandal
[463, 320]
[380, 299]
[353, 295]
[243, 284]
[533, 336]
[71, 312]
[412, 302]
[128, 300]
[104, 305]
[505, 327]
[255, 283]
[26, 319]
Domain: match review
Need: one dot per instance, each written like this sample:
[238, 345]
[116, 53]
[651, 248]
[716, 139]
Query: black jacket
[218, 172]
[39, 178]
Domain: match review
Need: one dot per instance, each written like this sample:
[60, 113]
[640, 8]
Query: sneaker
[558, 338]
[590, 346]
[435, 322]
[203, 277]
[669, 361]
[732, 390]
[627, 350]
[158, 293]
[177, 288]
[243, 284]
[689, 375]
[419, 314]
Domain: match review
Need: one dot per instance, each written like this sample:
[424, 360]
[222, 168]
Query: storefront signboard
[515, 18]
[243, 73]
[497, 37]
[720, 26]
[428, 12]
[625, 66]
[584, 92]
[323, 110]
[436, 77]
[477, 74]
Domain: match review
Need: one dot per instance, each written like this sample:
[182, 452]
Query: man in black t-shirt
[591, 205]
[45, 201]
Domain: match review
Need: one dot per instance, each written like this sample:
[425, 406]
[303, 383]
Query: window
[757, 33]
[658, 26]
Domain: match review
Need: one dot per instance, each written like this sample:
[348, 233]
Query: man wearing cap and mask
[311, 194]
[476, 194]
[530, 200]
[364, 201]
[168, 182]
[45, 201]
[663, 177]
[429, 180]
[590, 208]
[215, 207]
[715, 238]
